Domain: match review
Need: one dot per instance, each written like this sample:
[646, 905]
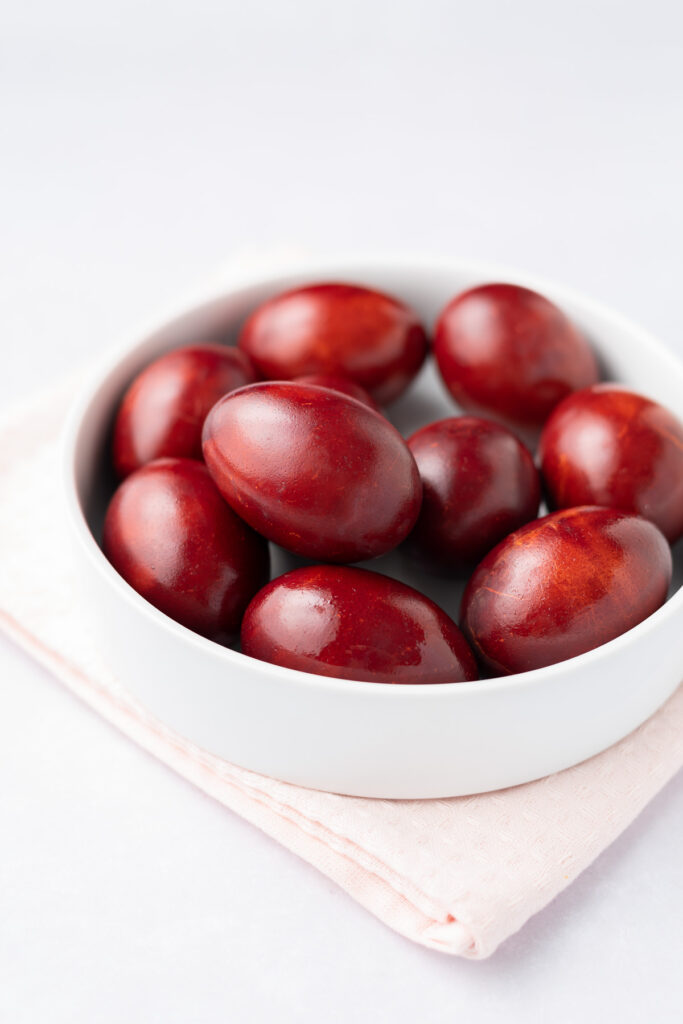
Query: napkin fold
[459, 875]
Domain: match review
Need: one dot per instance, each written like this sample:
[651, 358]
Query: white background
[141, 145]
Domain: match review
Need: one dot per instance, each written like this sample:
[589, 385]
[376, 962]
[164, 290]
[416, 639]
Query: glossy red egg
[610, 446]
[313, 470]
[479, 483]
[171, 536]
[163, 411]
[355, 624]
[508, 352]
[344, 329]
[344, 385]
[563, 585]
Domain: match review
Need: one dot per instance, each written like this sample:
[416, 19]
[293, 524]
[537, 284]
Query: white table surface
[143, 145]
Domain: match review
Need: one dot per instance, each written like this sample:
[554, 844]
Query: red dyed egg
[508, 352]
[171, 536]
[313, 470]
[163, 411]
[610, 446]
[344, 385]
[564, 585]
[479, 483]
[355, 624]
[344, 329]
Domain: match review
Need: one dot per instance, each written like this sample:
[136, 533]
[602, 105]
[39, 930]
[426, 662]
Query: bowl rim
[314, 267]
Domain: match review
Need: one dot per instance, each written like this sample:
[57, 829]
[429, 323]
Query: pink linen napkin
[458, 875]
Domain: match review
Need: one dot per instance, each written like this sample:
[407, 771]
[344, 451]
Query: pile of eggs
[285, 439]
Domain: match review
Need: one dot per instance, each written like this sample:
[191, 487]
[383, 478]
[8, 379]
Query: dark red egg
[372, 338]
[171, 536]
[563, 585]
[355, 624]
[508, 352]
[479, 483]
[344, 385]
[610, 446]
[163, 411]
[313, 470]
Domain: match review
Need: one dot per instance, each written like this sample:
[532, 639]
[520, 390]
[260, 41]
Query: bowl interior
[627, 355]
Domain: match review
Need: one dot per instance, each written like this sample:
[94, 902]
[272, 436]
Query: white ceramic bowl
[363, 738]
